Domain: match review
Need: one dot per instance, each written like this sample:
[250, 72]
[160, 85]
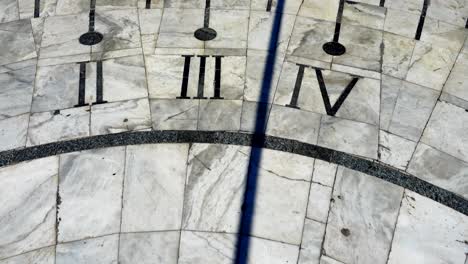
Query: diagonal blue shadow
[248, 206]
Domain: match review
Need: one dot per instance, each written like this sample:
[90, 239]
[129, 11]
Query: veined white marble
[362, 218]
[102, 250]
[27, 215]
[446, 130]
[90, 191]
[149, 248]
[154, 187]
[429, 233]
[39, 256]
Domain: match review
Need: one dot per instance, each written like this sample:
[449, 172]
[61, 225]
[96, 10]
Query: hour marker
[148, 4]
[422, 19]
[206, 33]
[82, 85]
[268, 9]
[334, 47]
[297, 87]
[382, 3]
[91, 37]
[37, 5]
[201, 77]
[331, 110]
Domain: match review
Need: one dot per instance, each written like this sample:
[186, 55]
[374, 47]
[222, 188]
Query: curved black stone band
[366, 166]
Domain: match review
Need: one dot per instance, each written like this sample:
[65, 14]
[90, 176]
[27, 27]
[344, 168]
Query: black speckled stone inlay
[334, 48]
[91, 38]
[370, 167]
[205, 34]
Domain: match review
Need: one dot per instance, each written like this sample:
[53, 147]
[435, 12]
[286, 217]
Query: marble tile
[220, 115]
[16, 93]
[363, 48]
[9, 11]
[56, 87]
[362, 218]
[17, 42]
[102, 250]
[348, 136]
[65, 7]
[324, 173]
[308, 37]
[290, 6]
[13, 132]
[206, 247]
[165, 76]
[232, 29]
[63, 40]
[457, 82]
[214, 188]
[149, 248]
[319, 202]
[430, 65]
[251, 116]
[428, 232]
[364, 15]
[119, 117]
[256, 89]
[90, 190]
[442, 34]
[311, 246]
[37, 24]
[405, 107]
[46, 8]
[327, 260]
[18, 65]
[123, 78]
[177, 28]
[268, 251]
[150, 20]
[394, 150]
[397, 55]
[174, 114]
[58, 125]
[440, 169]
[362, 104]
[453, 12]
[216, 173]
[200, 247]
[154, 189]
[411, 6]
[40, 256]
[295, 124]
[260, 30]
[279, 190]
[120, 29]
[446, 130]
[401, 22]
[316, 9]
[28, 191]
[452, 99]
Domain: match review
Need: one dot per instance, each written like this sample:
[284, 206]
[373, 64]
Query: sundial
[234, 131]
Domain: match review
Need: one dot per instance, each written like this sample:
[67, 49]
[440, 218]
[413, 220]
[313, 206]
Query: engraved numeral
[201, 77]
[331, 110]
[82, 85]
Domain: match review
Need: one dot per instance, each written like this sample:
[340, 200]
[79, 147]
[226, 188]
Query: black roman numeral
[331, 110]
[201, 77]
[37, 6]
[421, 20]
[82, 85]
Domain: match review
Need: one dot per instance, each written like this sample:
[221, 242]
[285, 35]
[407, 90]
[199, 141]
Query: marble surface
[407, 110]
[181, 203]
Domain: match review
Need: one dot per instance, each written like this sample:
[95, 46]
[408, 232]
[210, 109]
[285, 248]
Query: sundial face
[376, 86]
